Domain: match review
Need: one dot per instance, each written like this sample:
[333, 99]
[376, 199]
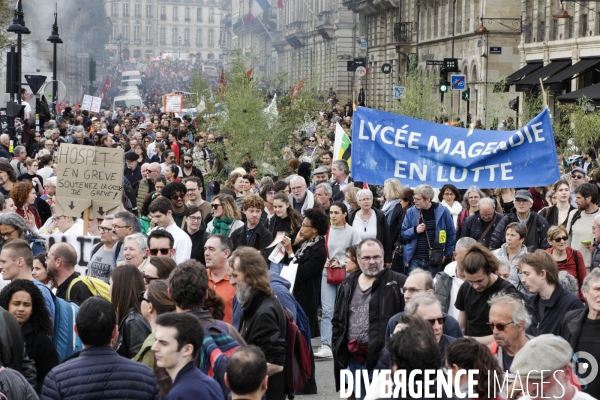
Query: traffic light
[444, 84]
[466, 94]
[92, 70]
[514, 104]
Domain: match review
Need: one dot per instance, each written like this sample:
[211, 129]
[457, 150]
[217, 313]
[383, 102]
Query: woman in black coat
[25, 302]
[310, 255]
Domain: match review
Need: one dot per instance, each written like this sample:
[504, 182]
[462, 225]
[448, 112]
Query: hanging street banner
[414, 151]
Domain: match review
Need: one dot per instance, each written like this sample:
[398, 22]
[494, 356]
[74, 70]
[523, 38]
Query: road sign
[363, 42]
[386, 68]
[458, 82]
[495, 50]
[83, 55]
[399, 91]
[361, 71]
[451, 64]
[350, 67]
[35, 82]
[434, 62]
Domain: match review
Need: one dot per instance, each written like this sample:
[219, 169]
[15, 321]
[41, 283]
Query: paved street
[325, 379]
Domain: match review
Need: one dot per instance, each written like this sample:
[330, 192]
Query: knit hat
[546, 352]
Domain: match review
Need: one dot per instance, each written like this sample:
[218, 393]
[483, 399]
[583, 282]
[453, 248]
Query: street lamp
[179, 57]
[120, 39]
[19, 19]
[516, 24]
[561, 12]
[54, 39]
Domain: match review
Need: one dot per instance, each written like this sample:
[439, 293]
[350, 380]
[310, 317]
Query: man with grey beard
[365, 302]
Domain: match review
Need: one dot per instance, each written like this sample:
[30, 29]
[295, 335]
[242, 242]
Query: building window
[115, 32]
[137, 53]
[199, 14]
[149, 34]
[163, 36]
[163, 13]
[198, 37]
[187, 14]
[174, 38]
[136, 33]
[126, 32]
[584, 24]
[125, 10]
[529, 33]
[211, 38]
[114, 10]
[148, 10]
[186, 37]
[571, 28]
[211, 15]
[542, 31]
[137, 9]
[554, 29]
[175, 14]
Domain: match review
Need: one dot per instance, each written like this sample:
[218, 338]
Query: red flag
[105, 87]
[249, 73]
[295, 90]
[279, 3]
[222, 82]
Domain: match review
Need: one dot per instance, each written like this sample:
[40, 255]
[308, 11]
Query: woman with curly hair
[310, 255]
[468, 354]
[226, 216]
[24, 196]
[8, 177]
[13, 226]
[24, 300]
[126, 284]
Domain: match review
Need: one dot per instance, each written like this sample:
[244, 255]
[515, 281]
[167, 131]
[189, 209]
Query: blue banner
[414, 151]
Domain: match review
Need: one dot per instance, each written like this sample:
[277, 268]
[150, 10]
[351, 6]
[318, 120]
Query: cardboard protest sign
[173, 103]
[83, 246]
[88, 176]
[86, 104]
[96, 102]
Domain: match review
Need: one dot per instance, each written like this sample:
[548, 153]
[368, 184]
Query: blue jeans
[276, 267]
[423, 264]
[355, 366]
[328, 293]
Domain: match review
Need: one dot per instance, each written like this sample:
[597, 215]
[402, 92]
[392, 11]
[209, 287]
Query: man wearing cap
[320, 175]
[581, 221]
[537, 226]
[133, 172]
[545, 371]
[578, 178]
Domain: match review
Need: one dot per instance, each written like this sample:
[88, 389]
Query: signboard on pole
[458, 82]
[96, 102]
[399, 91]
[386, 68]
[88, 177]
[495, 50]
[172, 103]
[361, 71]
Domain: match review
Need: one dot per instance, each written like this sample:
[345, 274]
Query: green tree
[6, 16]
[578, 128]
[421, 98]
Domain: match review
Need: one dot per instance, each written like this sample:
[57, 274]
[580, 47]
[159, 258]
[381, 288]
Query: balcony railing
[403, 31]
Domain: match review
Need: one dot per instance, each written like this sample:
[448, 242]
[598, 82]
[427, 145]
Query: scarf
[387, 209]
[222, 225]
[305, 245]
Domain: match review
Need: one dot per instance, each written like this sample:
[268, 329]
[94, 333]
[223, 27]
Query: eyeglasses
[163, 252]
[272, 193]
[374, 258]
[187, 161]
[142, 298]
[577, 176]
[196, 219]
[149, 279]
[410, 290]
[120, 226]
[171, 158]
[177, 196]
[500, 327]
[104, 229]
[439, 320]
[448, 194]
[7, 234]
[34, 165]
[307, 226]
[561, 239]
[215, 206]
[417, 198]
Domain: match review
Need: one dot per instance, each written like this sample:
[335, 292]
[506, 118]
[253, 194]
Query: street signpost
[361, 71]
[458, 82]
[386, 68]
[399, 91]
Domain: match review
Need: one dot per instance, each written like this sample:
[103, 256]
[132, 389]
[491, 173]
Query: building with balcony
[161, 28]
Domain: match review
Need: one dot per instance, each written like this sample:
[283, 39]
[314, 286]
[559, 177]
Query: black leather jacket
[132, 332]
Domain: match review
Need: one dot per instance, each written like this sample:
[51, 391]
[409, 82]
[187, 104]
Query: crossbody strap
[426, 234]
[487, 229]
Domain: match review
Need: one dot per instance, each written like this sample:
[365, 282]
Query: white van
[210, 70]
[127, 75]
[128, 101]
[130, 82]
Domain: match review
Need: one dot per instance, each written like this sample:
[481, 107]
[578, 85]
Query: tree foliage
[421, 97]
[578, 127]
[6, 16]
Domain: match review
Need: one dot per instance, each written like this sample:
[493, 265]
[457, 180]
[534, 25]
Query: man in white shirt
[159, 138]
[448, 281]
[161, 211]
[27, 111]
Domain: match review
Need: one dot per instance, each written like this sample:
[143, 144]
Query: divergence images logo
[585, 366]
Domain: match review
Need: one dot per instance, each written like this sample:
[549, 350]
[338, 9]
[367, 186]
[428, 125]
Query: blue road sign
[458, 82]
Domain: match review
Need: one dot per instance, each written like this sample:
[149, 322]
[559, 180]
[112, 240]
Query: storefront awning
[530, 82]
[592, 92]
[555, 83]
[526, 70]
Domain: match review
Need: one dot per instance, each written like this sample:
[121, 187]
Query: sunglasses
[149, 279]
[215, 206]
[177, 196]
[142, 298]
[500, 327]
[439, 320]
[187, 161]
[163, 252]
[561, 239]
[577, 176]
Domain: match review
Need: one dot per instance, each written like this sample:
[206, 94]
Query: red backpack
[298, 358]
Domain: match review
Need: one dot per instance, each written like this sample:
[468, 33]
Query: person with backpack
[103, 258]
[61, 262]
[264, 321]
[188, 284]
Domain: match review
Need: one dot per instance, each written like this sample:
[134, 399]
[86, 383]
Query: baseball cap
[524, 195]
[320, 170]
[143, 126]
[579, 169]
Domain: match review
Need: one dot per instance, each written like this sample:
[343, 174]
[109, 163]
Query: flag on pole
[249, 73]
[222, 82]
[105, 87]
[341, 145]
[296, 89]
[279, 3]
[257, 8]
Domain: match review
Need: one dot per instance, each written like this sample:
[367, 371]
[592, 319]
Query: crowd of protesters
[503, 281]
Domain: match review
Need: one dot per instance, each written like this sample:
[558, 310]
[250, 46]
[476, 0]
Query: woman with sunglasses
[159, 267]
[154, 301]
[567, 258]
[558, 214]
[126, 284]
[193, 227]
[135, 251]
[226, 216]
[513, 250]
